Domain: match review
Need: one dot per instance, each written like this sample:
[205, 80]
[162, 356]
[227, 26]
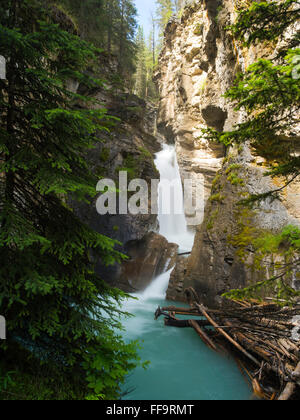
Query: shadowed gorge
[149, 202]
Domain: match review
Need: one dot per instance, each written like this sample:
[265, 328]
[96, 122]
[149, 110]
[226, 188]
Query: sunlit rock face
[191, 82]
[197, 65]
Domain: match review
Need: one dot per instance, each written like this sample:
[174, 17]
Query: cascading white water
[176, 355]
[144, 306]
[158, 287]
[173, 225]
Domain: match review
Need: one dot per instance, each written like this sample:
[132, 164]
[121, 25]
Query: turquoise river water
[181, 367]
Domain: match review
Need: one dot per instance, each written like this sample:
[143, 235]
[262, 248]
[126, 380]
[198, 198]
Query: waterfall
[173, 226]
[176, 355]
[157, 288]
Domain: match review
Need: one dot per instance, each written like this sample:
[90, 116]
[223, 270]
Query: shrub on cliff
[269, 94]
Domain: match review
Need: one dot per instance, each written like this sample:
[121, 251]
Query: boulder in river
[149, 257]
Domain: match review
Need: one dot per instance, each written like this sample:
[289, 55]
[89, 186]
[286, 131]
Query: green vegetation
[216, 182]
[276, 258]
[105, 154]
[108, 24]
[211, 220]
[146, 62]
[233, 172]
[265, 92]
[145, 154]
[233, 167]
[267, 21]
[217, 197]
[234, 179]
[202, 86]
[148, 49]
[219, 11]
[165, 10]
[63, 319]
[199, 29]
[269, 93]
[246, 232]
[131, 166]
[134, 163]
[135, 109]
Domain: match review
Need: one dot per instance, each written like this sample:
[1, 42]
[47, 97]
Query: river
[181, 366]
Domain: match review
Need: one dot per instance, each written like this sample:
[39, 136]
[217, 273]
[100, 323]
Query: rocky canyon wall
[198, 64]
[129, 147]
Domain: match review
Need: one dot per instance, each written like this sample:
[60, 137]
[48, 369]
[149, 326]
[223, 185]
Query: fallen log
[182, 311]
[188, 311]
[290, 388]
[260, 331]
[185, 323]
[227, 336]
[204, 337]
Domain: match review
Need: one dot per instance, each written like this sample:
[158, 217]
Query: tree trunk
[290, 387]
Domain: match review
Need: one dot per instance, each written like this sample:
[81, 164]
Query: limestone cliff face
[198, 64]
[193, 75]
[130, 147]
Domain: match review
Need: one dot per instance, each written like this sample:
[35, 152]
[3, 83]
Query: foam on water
[181, 366]
[157, 288]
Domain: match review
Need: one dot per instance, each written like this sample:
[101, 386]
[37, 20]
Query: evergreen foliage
[108, 24]
[275, 254]
[267, 21]
[145, 66]
[165, 9]
[269, 94]
[62, 319]
[141, 70]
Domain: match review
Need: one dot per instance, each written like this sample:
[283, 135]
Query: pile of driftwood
[264, 338]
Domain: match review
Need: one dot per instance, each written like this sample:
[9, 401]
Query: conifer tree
[145, 64]
[108, 24]
[61, 317]
[269, 93]
[151, 63]
[141, 70]
[164, 11]
[126, 26]
[178, 5]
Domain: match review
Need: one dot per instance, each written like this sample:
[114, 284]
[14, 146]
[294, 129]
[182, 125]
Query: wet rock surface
[198, 64]
[129, 147]
[149, 257]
